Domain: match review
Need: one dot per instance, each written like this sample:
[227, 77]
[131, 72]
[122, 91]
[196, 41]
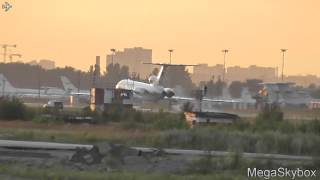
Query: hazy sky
[73, 32]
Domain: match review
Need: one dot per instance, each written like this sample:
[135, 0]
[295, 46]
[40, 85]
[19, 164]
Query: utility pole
[79, 81]
[112, 58]
[224, 51]
[282, 74]
[5, 49]
[170, 52]
[39, 83]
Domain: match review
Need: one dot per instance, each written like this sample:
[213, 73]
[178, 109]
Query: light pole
[224, 51]
[113, 53]
[39, 83]
[283, 52]
[79, 81]
[170, 52]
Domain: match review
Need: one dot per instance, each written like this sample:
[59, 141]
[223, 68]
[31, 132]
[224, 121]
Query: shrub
[131, 118]
[234, 160]
[31, 113]
[12, 109]
[270, 113]
[116, 113]
[41, 119]
[223, 140]
[165, 121]
[310, 127]
[204, 165]
[96, 115]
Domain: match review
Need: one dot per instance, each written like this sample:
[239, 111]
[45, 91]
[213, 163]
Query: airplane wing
[35, 95]
[48, 87]
[205, 99]
[166, 64]
[221, 100]
[80, 93]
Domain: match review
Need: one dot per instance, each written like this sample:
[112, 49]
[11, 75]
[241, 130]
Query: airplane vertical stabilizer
[163, 68]
[67, 84]
[5, 84]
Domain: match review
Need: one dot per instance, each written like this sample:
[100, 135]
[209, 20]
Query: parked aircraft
[7, 89]
[71, 89]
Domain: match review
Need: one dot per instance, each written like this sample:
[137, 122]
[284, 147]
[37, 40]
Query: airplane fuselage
[142, 90]
[22, 92]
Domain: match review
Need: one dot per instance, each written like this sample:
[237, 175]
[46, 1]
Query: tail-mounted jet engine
[152, 79]
[168, 92]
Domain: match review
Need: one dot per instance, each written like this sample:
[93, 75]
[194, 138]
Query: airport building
[237, 73]
[284, 93]
[134, 59]
[304, 80]
[204, 72]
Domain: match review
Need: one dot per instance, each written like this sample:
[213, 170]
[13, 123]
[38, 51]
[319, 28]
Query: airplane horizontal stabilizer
[205, 99]
[166, 64]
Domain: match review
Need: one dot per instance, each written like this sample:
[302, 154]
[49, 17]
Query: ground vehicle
[53, 104]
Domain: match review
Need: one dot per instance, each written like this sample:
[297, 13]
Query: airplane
[7, 89]
[154, 91]
[71, 89]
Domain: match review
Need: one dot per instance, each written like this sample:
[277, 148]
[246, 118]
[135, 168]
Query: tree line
[23, 75]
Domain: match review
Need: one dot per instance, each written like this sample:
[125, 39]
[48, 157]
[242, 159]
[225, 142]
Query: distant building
[47, 64]
[237, 73]
[44, 63]
[33, 63]
[203, 72]
[134, 59]
[303, 80]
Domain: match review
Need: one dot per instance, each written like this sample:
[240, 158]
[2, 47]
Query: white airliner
[153, 90]
[6, 89]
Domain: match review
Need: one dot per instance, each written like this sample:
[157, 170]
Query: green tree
[254, 85]
[214, 89]
[115, 73]
[177, 76]
[235, 89]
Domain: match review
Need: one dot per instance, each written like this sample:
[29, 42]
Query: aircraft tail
[5, 84]
[67, 84]
[163, 69]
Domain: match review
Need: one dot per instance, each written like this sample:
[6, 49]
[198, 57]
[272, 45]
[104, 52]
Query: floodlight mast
[113, 53]
[282, 71]
[224, 51]
[170, 52]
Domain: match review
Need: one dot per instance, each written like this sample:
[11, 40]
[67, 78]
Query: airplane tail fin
[67, 85]
[163, 69]
[5, 84]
